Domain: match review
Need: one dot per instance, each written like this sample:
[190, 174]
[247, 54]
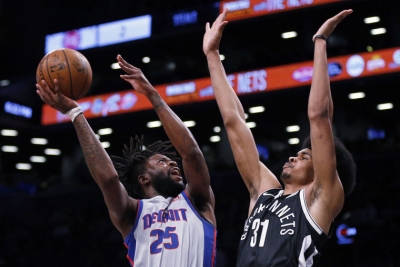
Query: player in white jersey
[286, 227]
[163, 221]
[170, 232]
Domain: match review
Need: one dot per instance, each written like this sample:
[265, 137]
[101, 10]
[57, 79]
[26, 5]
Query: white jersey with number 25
[170, 232]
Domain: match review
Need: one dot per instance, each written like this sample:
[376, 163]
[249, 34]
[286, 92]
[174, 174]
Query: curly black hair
[345, 164]
[133, 162]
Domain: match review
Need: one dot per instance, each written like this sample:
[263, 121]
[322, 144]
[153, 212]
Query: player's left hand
[213, 34]
[327, 28]
[55, 98]
[135, 77]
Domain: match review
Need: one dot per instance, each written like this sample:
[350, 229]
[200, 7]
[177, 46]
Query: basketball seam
[87, 73]
[48, 72]
[70, 75]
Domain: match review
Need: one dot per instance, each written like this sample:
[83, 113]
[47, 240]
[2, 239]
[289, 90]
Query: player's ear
[144, 179]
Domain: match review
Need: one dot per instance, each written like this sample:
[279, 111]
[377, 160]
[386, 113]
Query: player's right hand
[55, 98]
[213, 34]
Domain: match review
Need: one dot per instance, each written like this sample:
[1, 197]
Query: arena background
[54, 215]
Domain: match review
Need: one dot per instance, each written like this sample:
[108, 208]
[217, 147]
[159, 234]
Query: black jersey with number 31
[280, 232]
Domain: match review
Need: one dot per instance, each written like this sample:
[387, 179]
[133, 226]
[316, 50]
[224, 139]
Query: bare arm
[194, 164]
[326, 196]
[121, 207]
[255, 174]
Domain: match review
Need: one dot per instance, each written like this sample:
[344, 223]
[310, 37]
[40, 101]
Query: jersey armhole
[187, 199]
[136, 222]
[306, 212]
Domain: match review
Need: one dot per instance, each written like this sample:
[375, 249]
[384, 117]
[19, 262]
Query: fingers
[207, 26]
[222, 26]
[56, 87]
[44, 87]
[44, 91]
[123, 63]
[122, 60]
[221, 18]
[343, 14]
[225, 13]
[339, 17]
[328, 26]
[126, 66]
[129, 77]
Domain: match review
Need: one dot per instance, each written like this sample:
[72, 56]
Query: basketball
[70, 68]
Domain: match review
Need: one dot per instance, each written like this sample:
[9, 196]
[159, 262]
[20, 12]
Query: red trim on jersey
[130, 260]
[214, 248]
[127, 256]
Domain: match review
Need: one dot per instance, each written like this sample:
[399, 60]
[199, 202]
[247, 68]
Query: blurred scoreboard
[132, 29]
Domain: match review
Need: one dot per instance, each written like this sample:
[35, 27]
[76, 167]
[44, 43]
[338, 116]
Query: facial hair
[165, 186]
[285, 175]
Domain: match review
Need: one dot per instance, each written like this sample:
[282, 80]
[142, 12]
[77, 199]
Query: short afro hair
[133, 162]
[345, 164]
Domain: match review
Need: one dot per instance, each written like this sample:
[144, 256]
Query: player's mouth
[287, 165]
[175, 172]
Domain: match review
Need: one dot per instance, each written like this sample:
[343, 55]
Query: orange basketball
[70, 68]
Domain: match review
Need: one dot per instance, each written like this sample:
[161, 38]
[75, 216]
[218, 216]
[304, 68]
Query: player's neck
[150, 192]
[290, 189]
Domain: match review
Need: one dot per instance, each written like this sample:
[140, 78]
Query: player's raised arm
[326, 196]
[194, 164]
[255, 175]
[121, 207]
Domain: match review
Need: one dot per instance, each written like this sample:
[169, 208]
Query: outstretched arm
[326, 197]
[121, 207]
[254, 173]
[194, 164]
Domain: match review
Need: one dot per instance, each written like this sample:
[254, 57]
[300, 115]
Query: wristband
[73, 113]
[320, 37]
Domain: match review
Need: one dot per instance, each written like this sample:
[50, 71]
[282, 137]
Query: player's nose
[173, 163]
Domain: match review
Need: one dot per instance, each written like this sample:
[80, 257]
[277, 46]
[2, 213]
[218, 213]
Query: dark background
[55, 214]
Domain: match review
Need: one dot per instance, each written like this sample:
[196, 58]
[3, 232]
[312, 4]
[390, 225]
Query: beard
[285, 175]
[165, 186]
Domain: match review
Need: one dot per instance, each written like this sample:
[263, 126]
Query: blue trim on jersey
[210, 233]
[209, 249]
[185, 196]
[132, 247]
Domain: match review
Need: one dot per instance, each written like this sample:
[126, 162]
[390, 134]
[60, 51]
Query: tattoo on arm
[181, 148]
[159, 104]
[94, 154]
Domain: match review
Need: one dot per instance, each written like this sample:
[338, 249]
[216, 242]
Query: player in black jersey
[286, 226]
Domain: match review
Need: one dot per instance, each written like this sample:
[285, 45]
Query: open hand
[327, 28]
[213, 35]
[135, 77]
[55, 98]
